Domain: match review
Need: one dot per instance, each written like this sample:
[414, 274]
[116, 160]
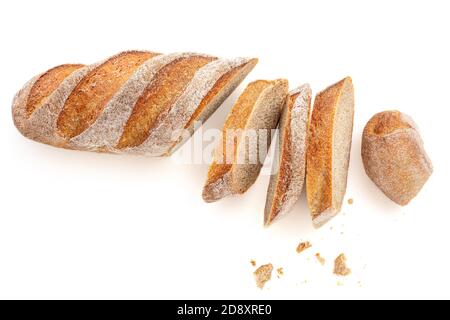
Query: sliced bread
[286, 183]
[328, 150]
[239, 155]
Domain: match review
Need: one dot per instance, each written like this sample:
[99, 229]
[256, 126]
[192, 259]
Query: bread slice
[286, 184]
[328, 150]
[394, 156]
[241, 150]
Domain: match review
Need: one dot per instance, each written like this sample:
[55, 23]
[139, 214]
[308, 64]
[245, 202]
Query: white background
[81, 225]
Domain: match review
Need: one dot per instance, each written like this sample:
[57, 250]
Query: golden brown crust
[319, 153]
[88, 99]
[385, 123]
[236, 120]
[46, 84]
[158, 97]
[92, 106]
[209, 88]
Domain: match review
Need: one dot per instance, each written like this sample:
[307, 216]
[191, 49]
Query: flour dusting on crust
[43, 120]
[106, 131]
[170, 124]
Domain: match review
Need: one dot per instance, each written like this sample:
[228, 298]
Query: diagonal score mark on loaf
[170, 82]
[106, 131]
[90, 96]
[46, 84]
[41, 124]
[206, 86]
[43, 120]
[36, 92]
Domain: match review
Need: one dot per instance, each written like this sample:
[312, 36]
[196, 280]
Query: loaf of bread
[328, 150]
[238, 157]
[286, 183]
[134, 102]
[394, 157]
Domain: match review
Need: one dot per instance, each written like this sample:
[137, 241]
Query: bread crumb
[320, 259]
[280, 271]
[253, 263]
[340, 267]
[350, 201]
[263, 274]
[303, 246]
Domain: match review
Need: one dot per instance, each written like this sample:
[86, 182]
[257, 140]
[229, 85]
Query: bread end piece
[34, 95]
[236, 165]
[328, 150]
[394, 157]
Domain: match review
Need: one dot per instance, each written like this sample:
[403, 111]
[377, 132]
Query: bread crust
[106, 131]
[319, 155]
[394, 157]
[158, 98]
[96, 119]
[211, 85]
[89, 98]
[286, 185]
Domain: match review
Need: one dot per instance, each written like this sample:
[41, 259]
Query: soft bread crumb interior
[237, 119]
[264, 116]
[342, 139]
[274, 179]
